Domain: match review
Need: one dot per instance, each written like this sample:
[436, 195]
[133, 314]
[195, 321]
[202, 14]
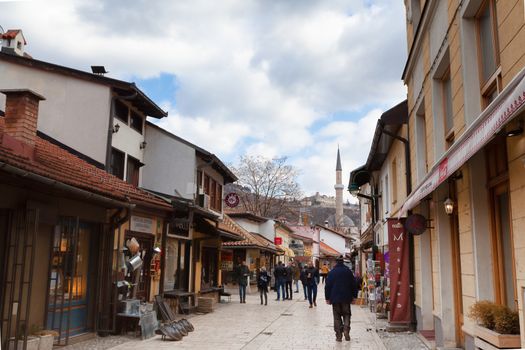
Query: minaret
[338, 191]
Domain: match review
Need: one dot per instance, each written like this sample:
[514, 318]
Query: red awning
[509, 103]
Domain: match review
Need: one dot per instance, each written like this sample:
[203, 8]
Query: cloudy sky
[277, 78]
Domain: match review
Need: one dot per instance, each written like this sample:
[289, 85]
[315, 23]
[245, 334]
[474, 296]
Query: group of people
[340, 288]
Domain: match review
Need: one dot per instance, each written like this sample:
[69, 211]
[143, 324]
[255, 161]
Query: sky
[277, 78]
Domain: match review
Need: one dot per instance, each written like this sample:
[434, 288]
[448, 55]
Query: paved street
[280, 325]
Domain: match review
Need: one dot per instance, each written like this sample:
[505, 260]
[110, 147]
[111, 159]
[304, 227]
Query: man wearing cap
[340, 289]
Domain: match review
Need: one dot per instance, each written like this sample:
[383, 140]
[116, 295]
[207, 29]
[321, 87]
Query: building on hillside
[63, 223]
[466, 92]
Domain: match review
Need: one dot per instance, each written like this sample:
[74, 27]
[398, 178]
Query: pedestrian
[324, 271]
[280, 275]
[303, 281]
[263, 280]
[289, 280]
[340, 290]
[242, 274]
[312, 279]
[296, 275]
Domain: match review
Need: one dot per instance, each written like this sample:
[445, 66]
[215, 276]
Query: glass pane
[447, 99]
[504, 216]
[486, 38]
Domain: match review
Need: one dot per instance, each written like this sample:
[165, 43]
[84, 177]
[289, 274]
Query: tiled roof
[57, 164]
[250, 239]
[11, 34]
[327, 250]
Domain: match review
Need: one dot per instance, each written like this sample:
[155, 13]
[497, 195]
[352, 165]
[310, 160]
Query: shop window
[136, 122]
[117, 163]
[121, 111]
[133, 171]
[488, 51]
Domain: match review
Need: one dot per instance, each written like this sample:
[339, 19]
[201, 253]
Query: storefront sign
[142, 224]
[278, 240]
[232, 200]
[416, 224]
[509, 103]
[226, 261]
[180, 224]
[399, 271]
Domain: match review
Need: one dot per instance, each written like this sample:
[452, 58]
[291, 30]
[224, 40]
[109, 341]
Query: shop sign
[416, 224]
[180, 224]
[278, 240]
[399, 271]
[142, 224]
[227, 265]
[504, 108]
[232, 200]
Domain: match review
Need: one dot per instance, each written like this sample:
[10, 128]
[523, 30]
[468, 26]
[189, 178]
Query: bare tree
[266, 186]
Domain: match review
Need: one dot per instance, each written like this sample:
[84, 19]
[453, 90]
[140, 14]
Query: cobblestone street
[280, 325]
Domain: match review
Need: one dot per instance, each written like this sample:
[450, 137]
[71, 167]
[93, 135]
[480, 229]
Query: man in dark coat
[242, 274]
[289, 280]
[312, 279]
[340, 290]
[280, 276]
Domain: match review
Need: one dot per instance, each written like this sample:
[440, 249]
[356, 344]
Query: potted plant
[47, 338]
[497, 325]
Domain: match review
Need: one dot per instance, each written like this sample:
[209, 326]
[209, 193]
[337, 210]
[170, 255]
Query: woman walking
[262, 283]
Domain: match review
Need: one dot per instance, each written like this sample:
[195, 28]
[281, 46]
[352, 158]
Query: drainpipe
[110, 127]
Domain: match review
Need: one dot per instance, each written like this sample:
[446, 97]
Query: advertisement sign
[278, 240]
[232, 200]
[399, 271]
[142, 224]
[226, 261]
[416, 224]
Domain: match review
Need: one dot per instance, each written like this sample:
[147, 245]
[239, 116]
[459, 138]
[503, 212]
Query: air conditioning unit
[204, 201]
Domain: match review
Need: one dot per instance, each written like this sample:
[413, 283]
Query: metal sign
[399, 272]
[142, 224]
[278, 240]
[232, 200]
[416, 224]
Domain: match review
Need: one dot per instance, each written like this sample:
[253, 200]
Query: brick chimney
[21, 114]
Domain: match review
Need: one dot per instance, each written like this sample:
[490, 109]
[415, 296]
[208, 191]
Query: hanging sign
[232, 200]
[399, 271]
[278, 240]
[416, 224]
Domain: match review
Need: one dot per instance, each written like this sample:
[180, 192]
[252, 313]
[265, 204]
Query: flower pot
[500, 341]
[32, 343]
[46, 342]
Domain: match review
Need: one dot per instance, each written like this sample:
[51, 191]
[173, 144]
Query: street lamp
[353, 189]
[449, 206]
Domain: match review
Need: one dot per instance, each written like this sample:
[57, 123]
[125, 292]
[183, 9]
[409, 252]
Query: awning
[509, 103]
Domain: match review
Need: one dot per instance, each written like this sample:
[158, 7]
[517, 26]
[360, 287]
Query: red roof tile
[11, 34]
[249, 240]
[57, 164]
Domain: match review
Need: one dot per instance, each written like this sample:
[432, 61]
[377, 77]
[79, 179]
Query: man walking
[304, 281]
[279, 274]
[340, 289]
[312, 279]
[296, 275]
[289, 279]
[242, 278]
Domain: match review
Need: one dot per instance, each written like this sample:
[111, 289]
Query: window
[218, 202]
[386, 195]
[487, 51]
[394, 181]
[213, 189]
[117, 163]
[199, 181]
[133, 170]
[448, 117]
[136, 121]
[121, 111]
[19, 45]
[421, 142]
[206, 184]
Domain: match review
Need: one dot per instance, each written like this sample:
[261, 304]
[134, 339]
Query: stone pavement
[280, 325]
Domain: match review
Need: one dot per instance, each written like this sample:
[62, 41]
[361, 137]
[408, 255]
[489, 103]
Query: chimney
[21, 114]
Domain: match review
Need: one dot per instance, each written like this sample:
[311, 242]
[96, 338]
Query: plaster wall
[333, 240]
[75, 112]
[170, 165]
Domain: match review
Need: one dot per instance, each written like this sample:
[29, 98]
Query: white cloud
[252, 76]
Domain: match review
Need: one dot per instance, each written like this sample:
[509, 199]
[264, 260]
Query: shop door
[456, 269]
[144, 279]
[71, 282]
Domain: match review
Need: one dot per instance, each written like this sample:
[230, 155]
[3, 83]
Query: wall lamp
[517, 131]
[449, 206]
[116, 128]
[143, 144]
[354, 191]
